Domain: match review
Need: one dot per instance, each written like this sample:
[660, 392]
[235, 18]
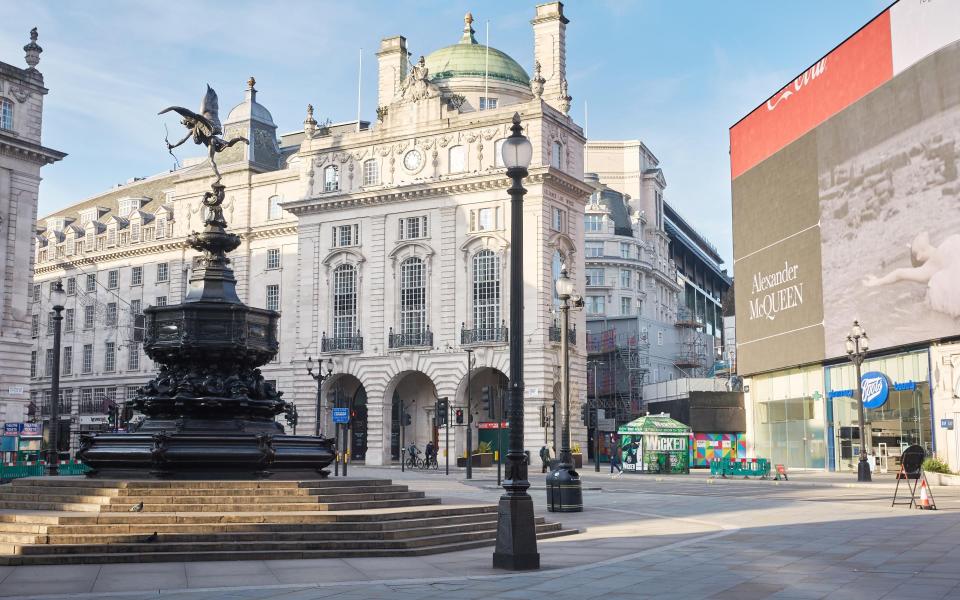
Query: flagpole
[359, 86]
[486, 68]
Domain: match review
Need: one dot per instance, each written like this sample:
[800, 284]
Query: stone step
[279, 506]
[26, 505]
[129, 501]
[154, 556]
[57, 498]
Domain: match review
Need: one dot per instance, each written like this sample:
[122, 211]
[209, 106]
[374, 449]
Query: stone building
[385, 247]
[21, 157]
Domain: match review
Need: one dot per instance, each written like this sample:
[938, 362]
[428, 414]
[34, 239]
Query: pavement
[815, 536]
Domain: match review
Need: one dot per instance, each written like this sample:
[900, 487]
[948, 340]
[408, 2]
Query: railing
[38, 469]
[348, 343]
[554, 333]
[416, 339]
[489, 335]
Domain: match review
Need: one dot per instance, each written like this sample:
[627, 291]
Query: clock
[412, 160]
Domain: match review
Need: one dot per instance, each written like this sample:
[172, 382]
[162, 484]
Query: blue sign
[946, 423]
[874, 389]
[12, 429]
[341, 415]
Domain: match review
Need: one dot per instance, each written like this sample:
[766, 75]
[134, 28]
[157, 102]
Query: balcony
[416, 339]
[554, 333]
[347, 343]
[489, 335]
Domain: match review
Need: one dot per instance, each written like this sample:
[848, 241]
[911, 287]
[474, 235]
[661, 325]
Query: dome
[250, 109]
[470, 59]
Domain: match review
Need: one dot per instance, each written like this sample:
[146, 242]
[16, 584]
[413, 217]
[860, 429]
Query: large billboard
[846, 195]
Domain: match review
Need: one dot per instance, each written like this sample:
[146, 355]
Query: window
[136, 276]
[88, 241]
[34, 325]
[61, 250]
[556, 267]
[71, 286]
[626, 279]
[486, 290]
[331, 179]
[412, 228]
[91, 284]
[593, 223]
[124, 238]
[596, 305]
[69, 320]
[458, 159]
[346, 235]
[88, 316]
[273, 258]
[112, 236]
[624, 250]
[626, 306]
[484, 219]
[49, 363]
[344, 301]
[6, 114]
[33, 363]
[113, 279]
[163, 272]
[559, 219]
[371, 172]
[110, 357]
[136, 307]
[273, 297]
[133, 357]
[149, 234]
[161, 301]
[498, 152]
[593, 249]
[50, 323]
[135, 232]
[487, 103]
[37, 292]
[101, 242]
[660, 338]
[67, 367]
[274, 210]
[78, 247]
[128, 206]
[595, 276]
[160, 228]
[111, 314]
[556, 157]
[413, 296]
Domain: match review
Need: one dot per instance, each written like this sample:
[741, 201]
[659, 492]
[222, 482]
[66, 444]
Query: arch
[345, 390]
[416, 392]
[484, 386]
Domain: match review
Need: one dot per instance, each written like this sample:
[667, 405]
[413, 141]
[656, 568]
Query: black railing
[554, 333]
[346, 343]
[416, 339]
[488, 335]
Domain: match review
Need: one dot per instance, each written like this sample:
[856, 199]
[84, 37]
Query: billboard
[846, 196]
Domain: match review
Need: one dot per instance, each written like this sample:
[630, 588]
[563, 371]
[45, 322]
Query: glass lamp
[564, 285]
[517, 150]
[57, 296]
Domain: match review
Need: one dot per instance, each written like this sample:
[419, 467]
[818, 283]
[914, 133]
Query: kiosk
[655, 444]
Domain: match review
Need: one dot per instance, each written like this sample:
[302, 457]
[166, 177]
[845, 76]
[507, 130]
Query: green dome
[470, 59]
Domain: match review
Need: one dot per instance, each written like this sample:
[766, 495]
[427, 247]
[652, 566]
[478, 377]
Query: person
[936, 266]
[616, 463]
[412, 450]
[544, 457]
[429, 451]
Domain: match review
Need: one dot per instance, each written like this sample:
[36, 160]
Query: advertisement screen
[846, 196]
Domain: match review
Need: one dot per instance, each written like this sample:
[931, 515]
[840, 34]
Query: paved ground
[817, 536]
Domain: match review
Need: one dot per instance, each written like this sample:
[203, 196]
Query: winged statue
[204, 128]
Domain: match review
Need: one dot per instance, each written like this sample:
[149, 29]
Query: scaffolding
[617, 368]
[691, 358]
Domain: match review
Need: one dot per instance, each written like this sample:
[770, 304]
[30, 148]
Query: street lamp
[319, 377]
[516, 532]
[57, 299]
[596, 416]
[857, 345]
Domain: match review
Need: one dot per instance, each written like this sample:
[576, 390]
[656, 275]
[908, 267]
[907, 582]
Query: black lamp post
[516, 532]
[319, 377]
[57, 298]
[857, 345]
[469, 415]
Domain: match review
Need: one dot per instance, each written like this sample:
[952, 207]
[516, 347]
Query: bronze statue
[205, 128]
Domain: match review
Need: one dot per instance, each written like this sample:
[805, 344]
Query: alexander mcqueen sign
[775, 292]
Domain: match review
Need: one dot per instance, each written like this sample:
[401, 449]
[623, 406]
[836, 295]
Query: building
[845, 195]
[21, 157]
[384, 245]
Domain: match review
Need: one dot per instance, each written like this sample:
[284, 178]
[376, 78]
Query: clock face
[412, 160]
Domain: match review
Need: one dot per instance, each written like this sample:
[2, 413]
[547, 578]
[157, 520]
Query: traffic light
[585, 415]
[443, 409]
[406, 419]
[459, 416]
[544, 421]
[488, 405]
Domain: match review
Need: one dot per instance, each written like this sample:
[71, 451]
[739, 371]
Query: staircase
[83, 521]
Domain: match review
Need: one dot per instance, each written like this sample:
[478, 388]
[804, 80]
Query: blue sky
[675, 74]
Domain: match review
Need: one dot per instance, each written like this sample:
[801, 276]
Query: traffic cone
[925, 502]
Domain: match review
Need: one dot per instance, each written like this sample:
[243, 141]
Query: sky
[674, 74]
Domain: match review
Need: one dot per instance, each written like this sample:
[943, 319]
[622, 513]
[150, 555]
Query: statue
[205, 129]
[417, 85]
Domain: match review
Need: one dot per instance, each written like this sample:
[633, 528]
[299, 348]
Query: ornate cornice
[28, 151]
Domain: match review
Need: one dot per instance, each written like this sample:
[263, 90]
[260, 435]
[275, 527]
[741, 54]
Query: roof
[655, 424]
[150, 187]
[467, 58]
[250, 109]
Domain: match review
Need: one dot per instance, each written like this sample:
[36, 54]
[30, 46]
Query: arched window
[344, 301]
[458, 159]
[274, 210]
[413, 297]
[6, 114]
[498, 152]
[371, 172]
[556, 158]
[331, 179]
[555, 269]
[486, 292]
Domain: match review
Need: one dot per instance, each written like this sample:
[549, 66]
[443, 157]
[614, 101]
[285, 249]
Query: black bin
[564, 491]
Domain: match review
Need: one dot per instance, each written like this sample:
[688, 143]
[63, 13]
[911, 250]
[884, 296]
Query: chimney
[392, 68]
[550, 50]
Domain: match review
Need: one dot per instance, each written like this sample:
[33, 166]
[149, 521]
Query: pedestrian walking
[616, 463]
[544, 457]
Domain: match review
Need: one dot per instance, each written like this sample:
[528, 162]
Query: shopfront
[787, 418]
[896, 392]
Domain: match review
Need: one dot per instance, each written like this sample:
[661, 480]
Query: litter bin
[564, 491]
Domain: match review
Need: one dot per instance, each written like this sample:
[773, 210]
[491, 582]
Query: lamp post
[857, 345]
[57, 299]
[319, 377]
[469, 415]
[596, 417]
[516, 532]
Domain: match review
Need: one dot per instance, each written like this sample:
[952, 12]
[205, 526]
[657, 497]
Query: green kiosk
[655, 444]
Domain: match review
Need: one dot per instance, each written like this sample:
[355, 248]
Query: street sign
[607, 425]
[946, 423]
[16, 390]
[12, 429]
[94, 419]
[32, 430]
[341, 415]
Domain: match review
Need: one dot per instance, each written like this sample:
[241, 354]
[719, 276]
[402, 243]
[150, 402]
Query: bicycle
[413, 459]
[430, 463]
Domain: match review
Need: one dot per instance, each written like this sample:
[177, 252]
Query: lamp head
[517, 150]
[856, 331]
[329, 366]
[57, 296]
[564, 284]
[864, 342]
[850, 345]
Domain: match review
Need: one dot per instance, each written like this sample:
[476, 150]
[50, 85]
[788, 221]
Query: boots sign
[874, 389]
[775, 292]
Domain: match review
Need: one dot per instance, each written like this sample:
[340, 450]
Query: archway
[413, 394]
[486, 398]
[346, 391]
